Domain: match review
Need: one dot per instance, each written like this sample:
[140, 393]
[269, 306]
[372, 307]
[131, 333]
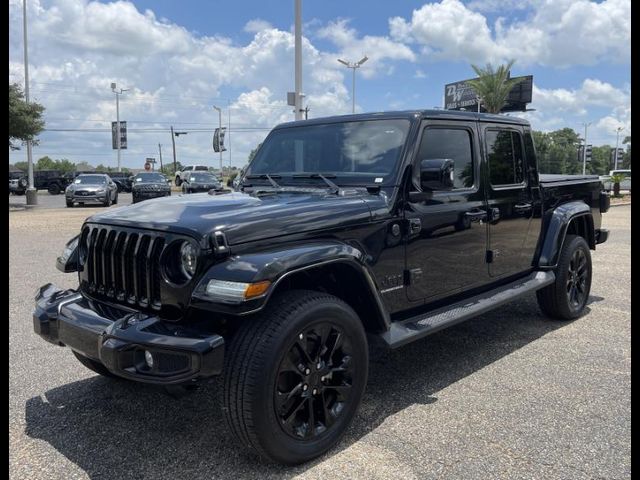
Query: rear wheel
[566, 298]
[54, 189]
[94, 365]
[294, 377]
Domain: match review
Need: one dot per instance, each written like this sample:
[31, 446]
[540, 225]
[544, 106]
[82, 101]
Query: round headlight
[188, 258]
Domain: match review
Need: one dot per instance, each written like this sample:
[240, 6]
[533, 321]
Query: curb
[619, 204]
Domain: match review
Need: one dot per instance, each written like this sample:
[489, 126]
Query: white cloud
[592, 92]
[556, 33]
[257, 25]
[352, 48]
[420, 74]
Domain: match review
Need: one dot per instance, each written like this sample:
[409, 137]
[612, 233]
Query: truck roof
[410, 115]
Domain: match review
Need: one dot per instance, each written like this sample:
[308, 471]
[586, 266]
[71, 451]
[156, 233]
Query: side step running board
[405, 331]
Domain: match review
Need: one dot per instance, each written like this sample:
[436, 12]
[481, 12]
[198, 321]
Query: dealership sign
[460, 96]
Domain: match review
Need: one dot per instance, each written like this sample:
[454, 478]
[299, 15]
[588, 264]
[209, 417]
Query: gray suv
[92, 188]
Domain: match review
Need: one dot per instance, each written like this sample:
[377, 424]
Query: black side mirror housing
[436, 174]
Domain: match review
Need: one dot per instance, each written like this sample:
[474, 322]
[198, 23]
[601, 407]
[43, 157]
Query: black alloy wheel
[314, 381]
[295, 375]
[566, 298]
[577, 279]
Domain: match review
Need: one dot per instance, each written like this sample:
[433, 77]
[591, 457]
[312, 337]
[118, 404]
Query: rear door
[510, 200]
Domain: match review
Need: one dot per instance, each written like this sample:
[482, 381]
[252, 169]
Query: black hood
[243, 217]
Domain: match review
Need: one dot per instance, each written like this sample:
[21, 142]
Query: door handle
[522, 207]
[476, 216]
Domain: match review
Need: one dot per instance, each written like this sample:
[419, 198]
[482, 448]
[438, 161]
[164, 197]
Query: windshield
[353, 152]
[91, 179]
[202, 168]
[202, 177]
[150, 177]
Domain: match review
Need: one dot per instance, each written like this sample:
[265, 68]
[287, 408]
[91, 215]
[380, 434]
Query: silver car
[92, 188]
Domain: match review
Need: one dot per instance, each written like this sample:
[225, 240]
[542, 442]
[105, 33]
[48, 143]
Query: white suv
[184, 173]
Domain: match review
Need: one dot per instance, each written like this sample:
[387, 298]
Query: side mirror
[436, 174]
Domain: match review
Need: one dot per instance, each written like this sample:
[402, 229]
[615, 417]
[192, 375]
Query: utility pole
[173, 142]
[219, 110]
[229, 133]
[353, 66]
[32, 193]
[584, 152]
[615, 157]
[160, 152]
[306, 112]
[113, 89]
[298, 59]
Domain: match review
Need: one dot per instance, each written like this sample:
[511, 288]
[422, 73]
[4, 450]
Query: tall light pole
[298, 58]
[584, 150]
[113, 89]
[219, 110]
[615, 153]
[353, 66]
[32, 193]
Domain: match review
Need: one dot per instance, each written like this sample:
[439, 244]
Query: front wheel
[70, 203]
[295, 375]
[115, 199]
[566, 298]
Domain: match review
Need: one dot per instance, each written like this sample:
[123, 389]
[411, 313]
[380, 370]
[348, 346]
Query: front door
[510, 201]
[447, 239]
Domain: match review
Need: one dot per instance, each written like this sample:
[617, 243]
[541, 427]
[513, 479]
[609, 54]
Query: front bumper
[101, 198]
[138, 196]
[119, 339]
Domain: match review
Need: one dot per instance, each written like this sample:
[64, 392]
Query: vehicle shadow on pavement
[119, 429]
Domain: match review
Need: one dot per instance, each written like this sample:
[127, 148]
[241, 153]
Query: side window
[505, 157]
[451, 144]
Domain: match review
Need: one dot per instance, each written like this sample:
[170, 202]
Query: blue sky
[179, 58]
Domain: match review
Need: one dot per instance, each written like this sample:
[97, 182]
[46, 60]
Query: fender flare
[555, 230]
[277, 264]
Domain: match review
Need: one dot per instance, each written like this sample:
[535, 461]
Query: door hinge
[489, 256]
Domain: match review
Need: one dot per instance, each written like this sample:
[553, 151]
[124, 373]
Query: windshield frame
[343, 179]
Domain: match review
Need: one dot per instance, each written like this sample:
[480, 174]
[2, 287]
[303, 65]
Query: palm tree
[493, 85]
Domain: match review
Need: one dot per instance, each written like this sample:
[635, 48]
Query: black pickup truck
[343, 230]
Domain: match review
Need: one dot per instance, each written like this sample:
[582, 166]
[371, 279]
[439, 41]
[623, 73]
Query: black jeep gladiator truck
[344, 230]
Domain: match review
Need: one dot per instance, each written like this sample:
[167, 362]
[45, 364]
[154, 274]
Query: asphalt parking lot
[45, 200]
[508, 395]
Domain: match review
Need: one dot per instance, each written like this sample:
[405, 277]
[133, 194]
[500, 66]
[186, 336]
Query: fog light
[148, 358]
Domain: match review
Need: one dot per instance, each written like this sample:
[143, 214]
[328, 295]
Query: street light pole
[219, 110]
[353, 66]
[584, 150]
[615, 153]
[298, 58]
[113, 89]
[32, 193]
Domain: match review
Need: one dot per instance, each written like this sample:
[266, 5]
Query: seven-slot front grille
[123, 265]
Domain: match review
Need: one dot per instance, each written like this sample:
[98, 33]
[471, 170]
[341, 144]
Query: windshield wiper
[333, 186]
[268, 177]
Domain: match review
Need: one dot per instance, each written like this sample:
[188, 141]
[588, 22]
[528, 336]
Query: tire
[566, 298]
[70, 203]
[94, 365]
[178, 182]
[255, 371]
[115, 200]
[107, 202]
[23, 182]
[54, 189]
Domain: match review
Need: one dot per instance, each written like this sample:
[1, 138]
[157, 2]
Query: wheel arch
[571, 218]
[332, 267]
